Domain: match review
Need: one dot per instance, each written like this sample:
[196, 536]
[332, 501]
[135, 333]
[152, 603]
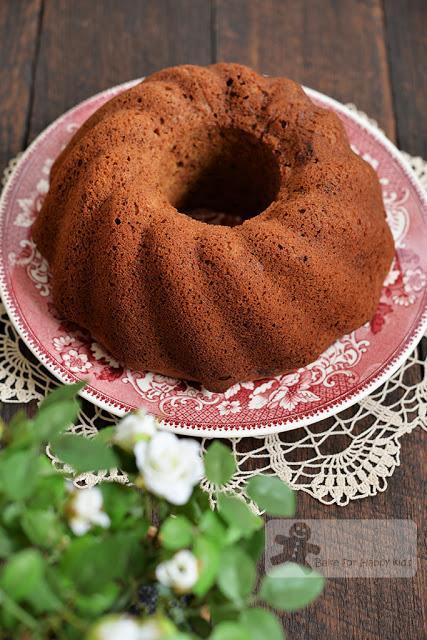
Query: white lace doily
[346, 457]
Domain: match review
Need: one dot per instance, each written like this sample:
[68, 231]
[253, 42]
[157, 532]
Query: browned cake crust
[166, 292]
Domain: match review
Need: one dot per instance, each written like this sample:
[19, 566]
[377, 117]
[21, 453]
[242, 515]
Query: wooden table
[54, 53]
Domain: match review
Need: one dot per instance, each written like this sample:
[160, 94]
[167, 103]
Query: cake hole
[231, 176]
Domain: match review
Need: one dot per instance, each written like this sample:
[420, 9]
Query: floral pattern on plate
[348, 370]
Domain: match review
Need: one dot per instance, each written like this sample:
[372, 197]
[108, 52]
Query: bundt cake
[297, 260]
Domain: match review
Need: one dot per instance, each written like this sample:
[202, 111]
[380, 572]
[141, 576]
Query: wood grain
[87, 46]
[334, 46]
[19, 26]
[406, 29]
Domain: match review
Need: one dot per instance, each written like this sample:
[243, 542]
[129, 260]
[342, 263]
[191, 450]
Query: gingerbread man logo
[296, 546]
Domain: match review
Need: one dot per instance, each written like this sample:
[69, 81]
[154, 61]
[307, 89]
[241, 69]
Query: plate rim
[119, 408]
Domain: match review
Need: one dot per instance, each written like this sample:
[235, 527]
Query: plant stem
[74, 621]
[148, 507]
[18, 612]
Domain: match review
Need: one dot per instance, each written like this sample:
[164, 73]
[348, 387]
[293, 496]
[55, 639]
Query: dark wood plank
[334, 46]
[406, 29]
[20, 24]
[19, 27]
[89, 46]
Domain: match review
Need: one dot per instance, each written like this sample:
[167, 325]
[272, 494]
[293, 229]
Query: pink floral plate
[346, 372]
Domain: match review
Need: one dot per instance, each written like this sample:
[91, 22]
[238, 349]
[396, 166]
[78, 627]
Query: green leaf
[84, 454]
[43, 528]
[200, 627]
[195, 507]
[45, 468]
[202, 499]
[71, 633]
[122, 503]
[63, 393]
[18, 470]
[272, 495]
[220, 464]
[290, 587]
[207, 553]
[176, 532]
[125, 459]
[11, 514]
[232, 535]
[18, 420]
[212, 527]
[221, 609]
[99, 602]
[13, 615]
[43, 599]
[261, 624]
[53, 419]
[60, 584]
[7, 619]
[90, 562]
[22, 574]
[19, 434]
[255, 545]
[106, 434]
[238, 515]
[6, 545]
[50, 492]
[230, 631]
[237, 574]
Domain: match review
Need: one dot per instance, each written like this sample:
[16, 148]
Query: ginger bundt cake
[297, 261]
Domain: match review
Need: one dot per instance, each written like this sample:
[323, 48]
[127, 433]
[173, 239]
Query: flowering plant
[146, 561]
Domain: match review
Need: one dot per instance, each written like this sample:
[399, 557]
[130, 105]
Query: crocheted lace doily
[346, 457]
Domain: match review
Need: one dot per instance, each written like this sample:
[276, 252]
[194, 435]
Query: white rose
[84, 510]
[117, 628]
[170, 466]
[155, 629]
[180, 572]
[133, 428]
